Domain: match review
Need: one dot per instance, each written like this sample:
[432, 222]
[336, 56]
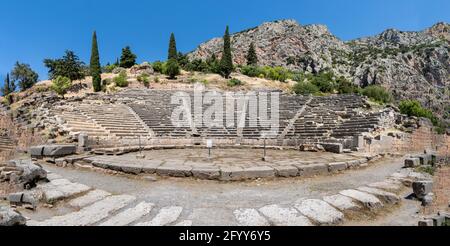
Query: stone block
[337, 167]
[206, 173]
[353, 164]
[333, 147]
[232, 174]
[312, 170]
[412, 162]
[174, 171]
[59, 150]
[320, 212]
[83, 139]
[438, 220]
[422, 188]
[426, 222]
[286, 171]
[36, 151]
[259, 172]
[9, 217]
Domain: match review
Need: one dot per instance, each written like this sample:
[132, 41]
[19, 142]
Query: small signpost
[209, 145]
[265, 146]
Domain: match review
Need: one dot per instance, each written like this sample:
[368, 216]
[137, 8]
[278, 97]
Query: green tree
[24, 76]
[6, 89]
[128, 59]
[226, 64]
[61, 85]
[173, 69]
[68, 66]
[95, 67]
[173, 53]
[252, 58]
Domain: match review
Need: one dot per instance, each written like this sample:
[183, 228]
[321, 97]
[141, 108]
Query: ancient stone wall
[421, 139]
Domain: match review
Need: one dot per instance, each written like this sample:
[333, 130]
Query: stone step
[89, 215]
[130, 215]
[166, 216]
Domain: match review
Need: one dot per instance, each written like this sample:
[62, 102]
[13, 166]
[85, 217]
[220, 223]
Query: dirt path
[213, 203]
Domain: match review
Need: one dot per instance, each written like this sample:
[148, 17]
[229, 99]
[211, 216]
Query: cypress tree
[173, 53]
[128, 59]
[95, 65]
[6, 90]
[252, 58]
[226, 64]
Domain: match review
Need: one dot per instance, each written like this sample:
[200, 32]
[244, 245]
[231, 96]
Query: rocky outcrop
[413, 65]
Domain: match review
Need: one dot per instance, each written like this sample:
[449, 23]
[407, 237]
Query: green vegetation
[172, 69]
[377, 94]
[252, 58]
[127, 59]
[414, 108]
[272, 73]
[158, 67]
[305, 88]
[95, 66]
[121, 80]
[234, 82]
[173, 54]
[144, 79]
[61, 85]
[426, 169]
[8, 88]
[24, 76]
[109, 68]
[226, 64]
[68, 66]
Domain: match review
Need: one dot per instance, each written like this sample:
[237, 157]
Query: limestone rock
[320, 212]
[9, 217]
[422, 188]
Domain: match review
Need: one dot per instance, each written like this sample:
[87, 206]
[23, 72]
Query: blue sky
[32, 30]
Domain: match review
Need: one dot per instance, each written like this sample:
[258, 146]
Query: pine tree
[95, 66]
[252, 58]
[226, 64]
[128, 59]
[173, 53]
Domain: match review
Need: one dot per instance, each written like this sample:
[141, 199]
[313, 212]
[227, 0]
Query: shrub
[173, 69]
[324, 81]
[251, 71]
[121, 80]
[272, 73]
[61, 85]
[414, 108]
[346, 87]
[158, 67]
[234, 82]
[144, 79]
[109, 68]
[156, 80]
[377, 93]
[305, 88]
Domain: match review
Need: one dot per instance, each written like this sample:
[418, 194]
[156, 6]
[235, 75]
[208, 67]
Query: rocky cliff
[410, 64]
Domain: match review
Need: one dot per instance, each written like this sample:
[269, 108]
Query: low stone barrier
[266, 170]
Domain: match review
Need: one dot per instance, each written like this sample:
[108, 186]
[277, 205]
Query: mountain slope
[411, 64]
